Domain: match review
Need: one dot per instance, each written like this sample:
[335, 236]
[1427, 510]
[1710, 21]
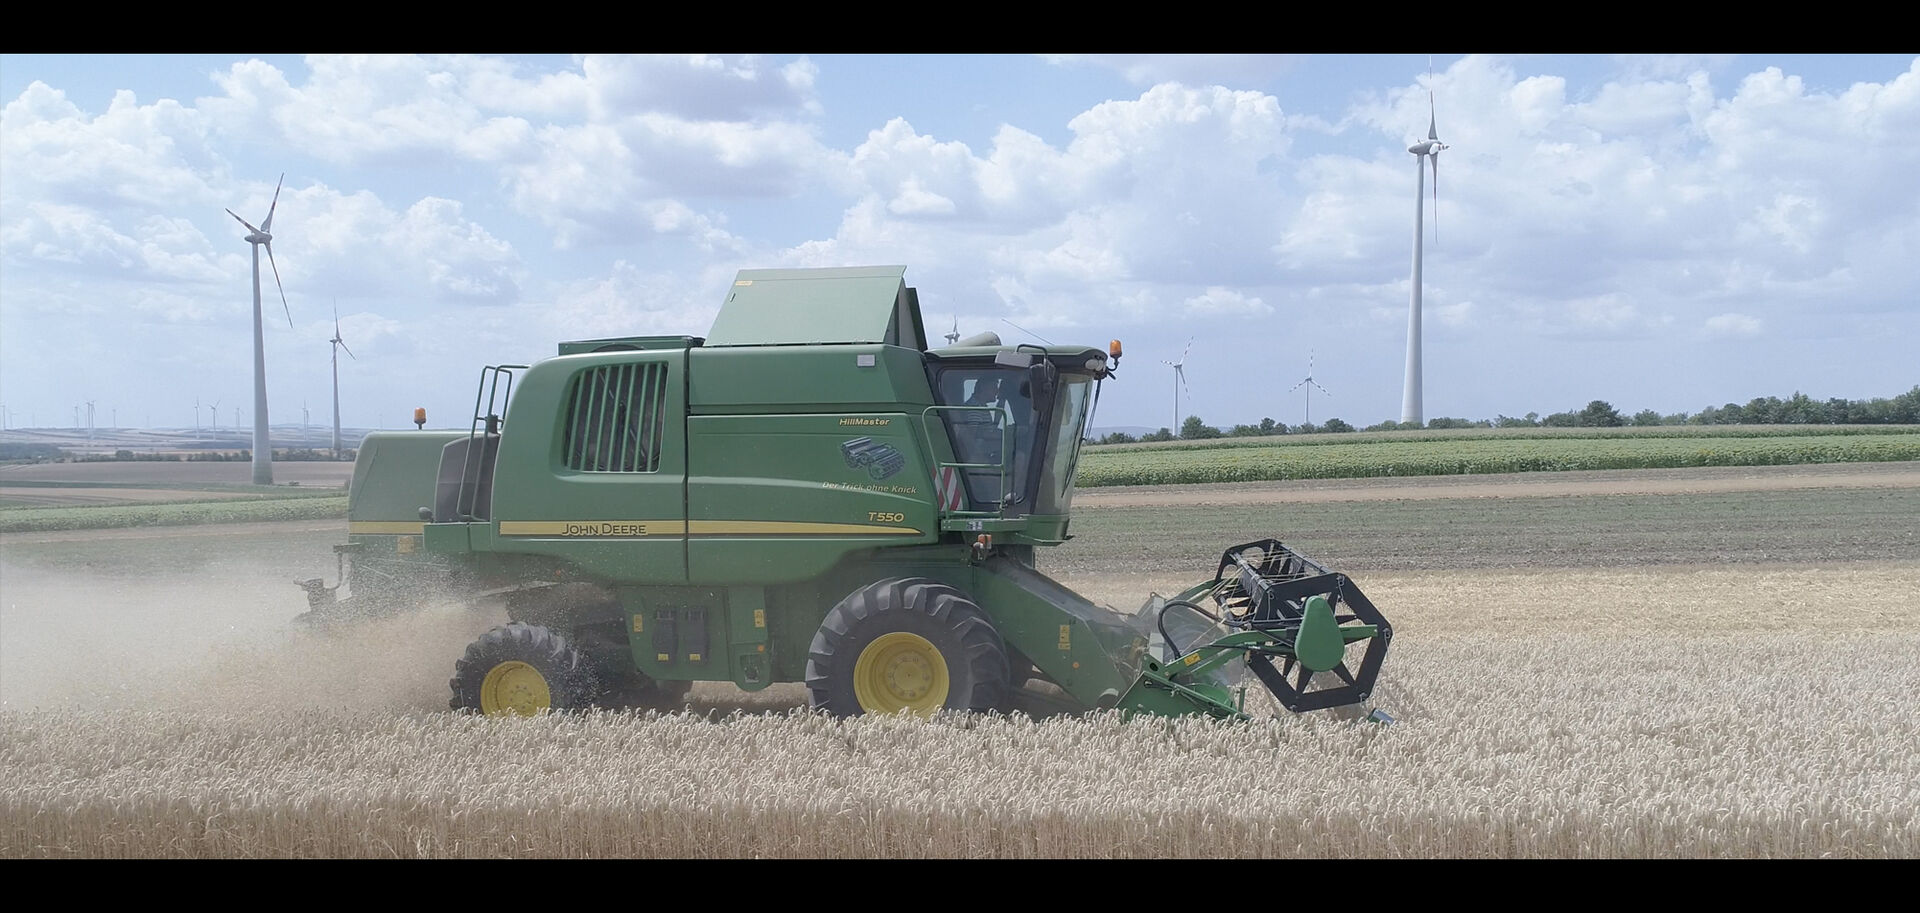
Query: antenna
[1027, 331]
[262, 438]
[1310, 384]
[338, 344]
[1412, 408]
[1180, 382]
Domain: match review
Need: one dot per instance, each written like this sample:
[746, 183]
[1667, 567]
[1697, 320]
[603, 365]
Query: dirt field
[28, 485]
[1685, 663]
[307, 473]
[1515, 485]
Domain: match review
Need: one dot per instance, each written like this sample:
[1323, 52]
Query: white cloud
[130, 156]
[1217, 302]
[1454, 315]
[1732, 325]
[1190, 69]
[73, 238]
[446, 194]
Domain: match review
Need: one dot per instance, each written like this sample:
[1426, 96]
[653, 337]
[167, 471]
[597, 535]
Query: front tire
[907, 644]
[520, 669]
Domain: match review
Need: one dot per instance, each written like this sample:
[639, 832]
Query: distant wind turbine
[1311, 385]
[1412, 408]
[338, 344]
[262, 439]
[953, 335]
[1179, 382]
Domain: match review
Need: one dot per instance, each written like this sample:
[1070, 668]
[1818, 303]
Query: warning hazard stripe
[948, 484]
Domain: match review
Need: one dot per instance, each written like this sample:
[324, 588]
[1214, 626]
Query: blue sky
[1660, 232]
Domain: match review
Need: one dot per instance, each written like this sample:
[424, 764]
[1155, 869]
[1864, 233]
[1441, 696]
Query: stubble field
[1687, 663]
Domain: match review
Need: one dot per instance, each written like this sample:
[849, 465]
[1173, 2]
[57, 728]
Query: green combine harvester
[811, 494]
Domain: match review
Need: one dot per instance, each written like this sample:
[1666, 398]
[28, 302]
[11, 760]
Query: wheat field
[1690, 712]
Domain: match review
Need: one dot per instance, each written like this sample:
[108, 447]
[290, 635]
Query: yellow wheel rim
[514, 687]
[900, 671]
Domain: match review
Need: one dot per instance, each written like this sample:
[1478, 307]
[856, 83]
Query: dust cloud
[220, 639]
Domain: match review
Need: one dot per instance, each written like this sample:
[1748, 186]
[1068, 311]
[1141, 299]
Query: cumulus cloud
[1664, 193]
[1190, 69]
[599, 154]
[1732, 325]
[1217, 301]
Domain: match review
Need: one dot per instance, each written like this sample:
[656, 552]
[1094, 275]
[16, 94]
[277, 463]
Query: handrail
[1006, 453]
[475, 459]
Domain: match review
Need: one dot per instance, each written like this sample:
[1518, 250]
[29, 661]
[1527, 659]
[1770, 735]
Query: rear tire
[520, 669]
[907, 644]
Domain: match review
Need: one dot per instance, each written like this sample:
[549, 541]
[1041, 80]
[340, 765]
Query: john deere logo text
[604, 529]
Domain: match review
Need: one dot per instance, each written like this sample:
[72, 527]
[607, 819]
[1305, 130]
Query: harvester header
[810, 493]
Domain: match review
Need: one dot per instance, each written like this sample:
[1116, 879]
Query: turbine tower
[1310, 384]
[1411, 406]
[1179, 383]
[338, 344]
[262, 440]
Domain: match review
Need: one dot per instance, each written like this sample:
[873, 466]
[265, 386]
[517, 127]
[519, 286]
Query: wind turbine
[262, 441]
[1411, 408]
[1179, 382]
[1310, 384]
[213, 412]
[953, 335]
[338, 344]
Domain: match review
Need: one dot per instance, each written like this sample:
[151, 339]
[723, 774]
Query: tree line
[1798, 409]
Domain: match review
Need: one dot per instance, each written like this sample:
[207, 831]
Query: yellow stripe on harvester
[385, 527]
[793, 528]
[637, 529]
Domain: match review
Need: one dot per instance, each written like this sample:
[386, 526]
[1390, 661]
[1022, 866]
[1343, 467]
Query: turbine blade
[1298, 386]
[1183, 383]
[343, 344]
[1322, 389]
[241, 221]
[267, 225]
[276, 284]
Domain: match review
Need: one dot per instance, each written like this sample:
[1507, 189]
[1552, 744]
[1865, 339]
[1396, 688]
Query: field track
[1516, 485]
[1744, 693]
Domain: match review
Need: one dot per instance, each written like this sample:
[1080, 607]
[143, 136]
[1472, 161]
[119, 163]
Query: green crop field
[1493, 451]
[319, 505]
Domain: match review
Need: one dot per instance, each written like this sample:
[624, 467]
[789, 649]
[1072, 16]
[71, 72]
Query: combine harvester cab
[812, 494]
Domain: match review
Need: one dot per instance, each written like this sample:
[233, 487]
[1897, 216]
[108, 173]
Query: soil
[1515, 485]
